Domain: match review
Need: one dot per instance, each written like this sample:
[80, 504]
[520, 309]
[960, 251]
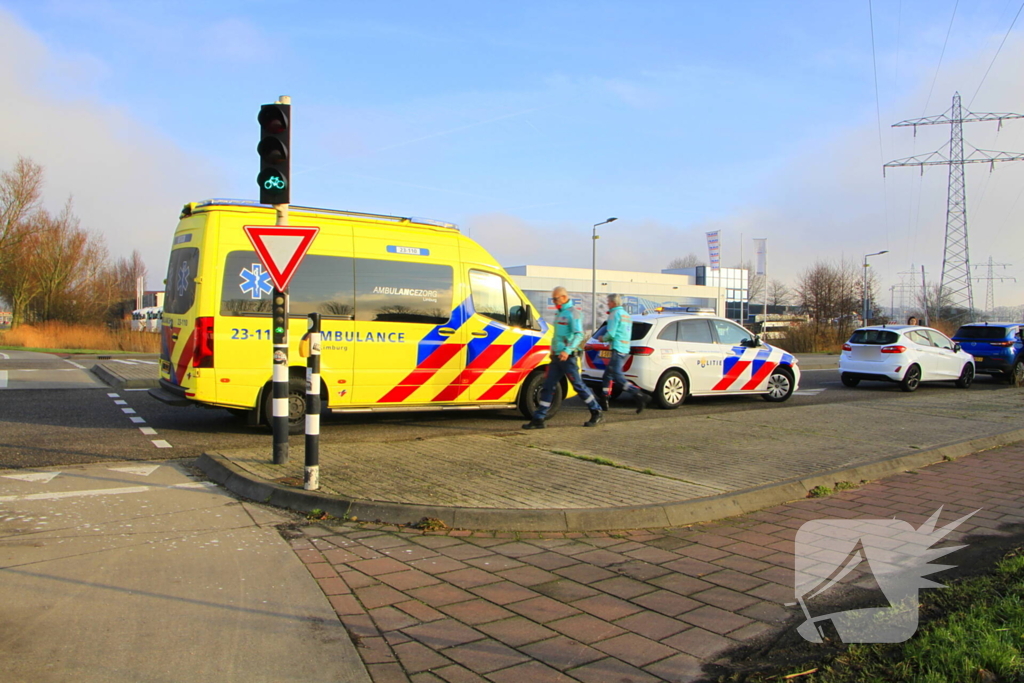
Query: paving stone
[549, 560]
[386, 673]
[680, 583]
[584, 573]
[382, 565]
[726, 599]
[652, 554]
[529, 672]
[733, 579]
[443, 633]
[440, 594]
[667, 603]
[624, 587]
[475, 612]
[379, 596]
[561, 652]
[408, 579]
[456, 673]
[634, 649]
[516, 549]
[516, 631]
[715, 620]
[527, 576]
[375, 651]
[611, 670]
[586, 628]
[542, 609]
[419, 611]
[484, 656]
[469, 577]
[681, 668]
[391, 619]
[356, 579]
[601, 558]
[333, 586]
[565, 590]
[606, 607]
[494, 563]
[438, 565]
[640, 570]
[700, 643]
[504, 592]
[652, 625]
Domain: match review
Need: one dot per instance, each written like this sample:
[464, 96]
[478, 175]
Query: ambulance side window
[488, 295]
[403, 291]
[516, 307]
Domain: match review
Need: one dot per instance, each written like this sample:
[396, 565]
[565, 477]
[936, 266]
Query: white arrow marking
[141, 470]
[44, 477]
[106, 492]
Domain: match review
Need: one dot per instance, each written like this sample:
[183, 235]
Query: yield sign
[281, 249]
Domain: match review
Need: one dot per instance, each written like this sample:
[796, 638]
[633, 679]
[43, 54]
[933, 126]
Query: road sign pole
[313, 406]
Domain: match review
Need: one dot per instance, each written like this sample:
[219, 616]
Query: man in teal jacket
[618, 335]
[565, 347]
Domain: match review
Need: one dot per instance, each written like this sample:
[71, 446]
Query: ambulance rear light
[202, 356]
[897, 348]
[640, 350]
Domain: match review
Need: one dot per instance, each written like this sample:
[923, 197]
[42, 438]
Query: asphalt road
[53, 413]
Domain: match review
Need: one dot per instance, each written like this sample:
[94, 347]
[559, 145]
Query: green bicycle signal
[274, 183]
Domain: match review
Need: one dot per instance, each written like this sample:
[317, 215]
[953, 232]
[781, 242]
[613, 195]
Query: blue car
[996, 348]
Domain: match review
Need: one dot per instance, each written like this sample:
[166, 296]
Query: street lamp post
[593, 274]
[864, 314]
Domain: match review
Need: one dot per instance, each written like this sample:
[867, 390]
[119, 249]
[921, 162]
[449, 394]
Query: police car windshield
[640, 331]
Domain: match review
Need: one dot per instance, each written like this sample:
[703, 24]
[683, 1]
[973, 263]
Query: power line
[941, 55]
[996, 54]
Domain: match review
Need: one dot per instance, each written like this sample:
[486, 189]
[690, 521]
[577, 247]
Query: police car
[676, 353]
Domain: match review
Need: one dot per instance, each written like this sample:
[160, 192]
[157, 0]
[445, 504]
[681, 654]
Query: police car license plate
[605, 354]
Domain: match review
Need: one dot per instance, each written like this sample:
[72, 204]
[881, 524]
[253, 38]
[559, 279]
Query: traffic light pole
[280, 375]
[313, 407]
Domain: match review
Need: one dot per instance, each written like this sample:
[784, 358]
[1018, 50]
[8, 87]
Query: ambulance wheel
[296, 405]
[529, 395]
[780, 385]
[671, 390]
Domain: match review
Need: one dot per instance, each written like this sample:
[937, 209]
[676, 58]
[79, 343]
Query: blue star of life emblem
[183, 272]
[255, 282]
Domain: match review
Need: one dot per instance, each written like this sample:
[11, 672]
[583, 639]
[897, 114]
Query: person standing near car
[565, 348]
[618, 335]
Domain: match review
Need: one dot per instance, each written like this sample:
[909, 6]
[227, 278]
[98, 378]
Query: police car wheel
[529, 395]
[671, 390]
[780, 385]
[296, 406]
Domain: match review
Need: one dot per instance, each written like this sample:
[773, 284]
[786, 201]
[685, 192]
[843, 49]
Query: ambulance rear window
[180, 291]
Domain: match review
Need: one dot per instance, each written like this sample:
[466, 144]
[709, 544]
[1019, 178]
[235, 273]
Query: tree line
[51, 268]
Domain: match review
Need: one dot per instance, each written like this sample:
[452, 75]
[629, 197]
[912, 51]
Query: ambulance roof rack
[190, 208]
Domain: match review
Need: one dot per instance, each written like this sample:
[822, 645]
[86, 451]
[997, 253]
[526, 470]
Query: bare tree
[778, 293]
[20, 193]
[830, 293]
[691, 260]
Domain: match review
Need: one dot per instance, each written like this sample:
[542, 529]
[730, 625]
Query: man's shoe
[642, 400]
[534, 424]
[596, 418]
[602, 400]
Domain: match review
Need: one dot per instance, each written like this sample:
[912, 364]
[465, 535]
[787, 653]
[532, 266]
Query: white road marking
[803, 370]
[5, 356]
[148, 431]
[160, 443]
[143, 389]
[80, 367]
[44, 477]
[808, 392]
[105, 492]
[126, 362]
[120, 403]
[128, 411]
[138, 420]
[113, 396]
[3, 379]
[147, 362]
[141, 470]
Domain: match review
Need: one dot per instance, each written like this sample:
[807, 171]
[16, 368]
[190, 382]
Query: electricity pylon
[990, 299]
[956, 262]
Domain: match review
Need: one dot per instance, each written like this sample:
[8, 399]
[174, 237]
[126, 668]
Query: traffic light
[275, 139]
[279, 313]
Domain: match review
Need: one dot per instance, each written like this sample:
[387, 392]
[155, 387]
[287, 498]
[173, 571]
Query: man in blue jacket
[565, 348]
[618, 335]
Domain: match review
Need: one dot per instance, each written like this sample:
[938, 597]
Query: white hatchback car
[907, 354]
[675, 355]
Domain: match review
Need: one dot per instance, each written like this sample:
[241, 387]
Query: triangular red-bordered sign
[281, 249]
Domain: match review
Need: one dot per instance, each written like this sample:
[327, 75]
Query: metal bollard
[313, 407]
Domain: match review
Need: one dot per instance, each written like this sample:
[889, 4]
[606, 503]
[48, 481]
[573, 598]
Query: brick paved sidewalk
[628, 606]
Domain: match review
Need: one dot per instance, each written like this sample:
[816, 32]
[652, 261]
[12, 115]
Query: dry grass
[56, 335]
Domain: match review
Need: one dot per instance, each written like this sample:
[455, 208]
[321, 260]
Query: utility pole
[990, 300]
[956, 262]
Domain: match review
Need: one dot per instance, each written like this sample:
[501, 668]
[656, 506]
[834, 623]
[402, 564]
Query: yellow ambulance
[415, 316]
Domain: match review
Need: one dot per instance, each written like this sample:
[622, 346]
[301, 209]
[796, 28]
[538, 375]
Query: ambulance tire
[296, 405]
[529, 395]
[671, 390]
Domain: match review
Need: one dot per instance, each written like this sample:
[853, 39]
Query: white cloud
[128, 181]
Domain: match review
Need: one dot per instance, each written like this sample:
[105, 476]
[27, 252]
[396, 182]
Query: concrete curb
[221, 470]
[119, 382]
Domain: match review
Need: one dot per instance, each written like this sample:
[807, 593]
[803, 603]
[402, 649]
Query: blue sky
[527, 123]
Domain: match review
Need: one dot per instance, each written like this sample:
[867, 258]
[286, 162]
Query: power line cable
[941, 55]
[996, 54]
